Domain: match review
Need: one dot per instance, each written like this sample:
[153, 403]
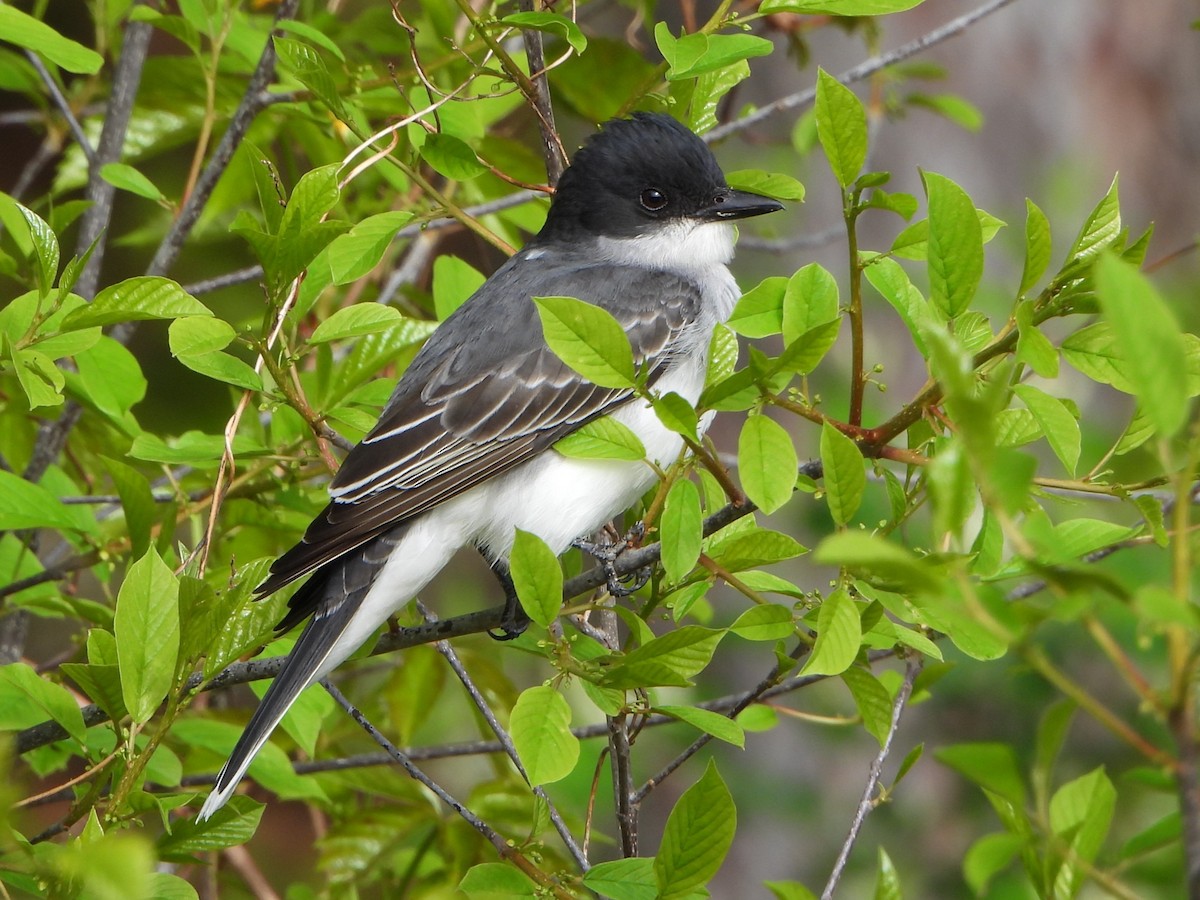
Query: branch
[868, 798]
[251, 104]
[503, 847]
[863, 70]
[552, 148]
[63, 107]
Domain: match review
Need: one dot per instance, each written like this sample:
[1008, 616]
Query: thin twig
[502, 847]
[863, 70]
[552, 148]
[502, 736]
[63, 105]
[249, 107]
[868, 802]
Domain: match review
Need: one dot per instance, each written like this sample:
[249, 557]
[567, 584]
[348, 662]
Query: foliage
[140, 528]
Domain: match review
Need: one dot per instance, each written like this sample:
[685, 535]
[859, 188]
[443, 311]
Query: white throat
[685, 246]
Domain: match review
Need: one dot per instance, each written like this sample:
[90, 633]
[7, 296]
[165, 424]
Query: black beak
[731, 204]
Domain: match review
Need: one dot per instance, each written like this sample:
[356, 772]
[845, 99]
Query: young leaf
[1149, 339]
[552, 23]
[452, 157]
[841, 127]
[588, 339]
[1057, 423]
[26, 505]
[45, 249]
[769, 622]
[537, 576]
[811, 299]
[681, 532]
[838, 7]
[147, 629]
[955, 245]
[767, 462]
[541, 730]
[1033, 347]
[769, 184]
[697, 836]
[603, 438]
[1037, 246]
[845, 477]
[721, 727]
[134, 299]
[624, 879]
[24, 30]
[355, 321]
[839, 635]
[26, 698]
[355, 253]
[759, 313]
[127, 178]
[1102, 227]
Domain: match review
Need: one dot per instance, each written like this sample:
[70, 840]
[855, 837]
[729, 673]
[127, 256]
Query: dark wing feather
[484, 395]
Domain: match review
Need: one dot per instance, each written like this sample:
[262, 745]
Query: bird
[640, 225]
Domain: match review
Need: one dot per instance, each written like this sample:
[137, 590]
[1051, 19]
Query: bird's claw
[608, 551]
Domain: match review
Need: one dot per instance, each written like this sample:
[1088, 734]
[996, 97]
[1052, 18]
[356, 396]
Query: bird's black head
[638, 172]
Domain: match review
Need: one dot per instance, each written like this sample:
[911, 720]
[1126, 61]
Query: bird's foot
[608, 550]
[514, 620]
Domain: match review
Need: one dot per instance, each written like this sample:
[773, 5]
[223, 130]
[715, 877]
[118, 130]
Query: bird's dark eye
[653, 199]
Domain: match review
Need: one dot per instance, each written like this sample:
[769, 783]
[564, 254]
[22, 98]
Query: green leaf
[191, 448]
[196, 335]
[27, 505]
[552, 23]
[759, 312]
[873, 701]
[681, 530]
[789, 890]
[838, 7]
[355, 253]
[1058, 425]
[25, 31]
[696, 54]
[845, 477]
[768, 184]
[537, 576]
[541, 731]
[147, 629]
[805, 353]
[677, 414]
[811, 299]
[224, 367]
[355, 321]
[28, 698]
[45, 245]
[127, 178]
[603, 438]
[950, 106]
[452, 157]
[767, 462]
[496, 881]
[136, 299]
[588, 339]
[887, 883]
[841, 128]
[889, 278]
[1101, 229]
[750, 549]
[870, 555]
[454, 281]
[991, 766]
[696, 838]
[1033, 347]
[668, 660]
[988, 857]
[1037, 246]
[41, 380]
[1149, 340]
[1081, 812]
[955, 245]
[624, 879]
[721, 727]
[768, 622]
[137, 500]
[230, 826]
[839, 635]
[110, 378]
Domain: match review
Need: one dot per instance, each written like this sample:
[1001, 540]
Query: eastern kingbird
[640, 225]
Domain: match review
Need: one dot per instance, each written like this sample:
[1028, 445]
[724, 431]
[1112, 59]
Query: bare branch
[868, 798]
[64, 107]
[863, 70]
[249, 107]
[552, 148]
